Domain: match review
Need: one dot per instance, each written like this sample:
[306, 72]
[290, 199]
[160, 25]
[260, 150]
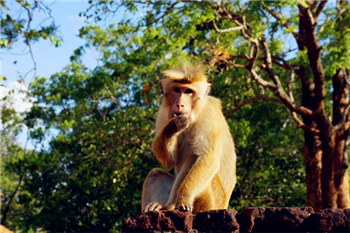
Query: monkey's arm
[160, 150]
[165, 143]
[201, 169]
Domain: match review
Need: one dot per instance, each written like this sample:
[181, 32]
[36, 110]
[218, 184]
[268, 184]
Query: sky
[49, 59]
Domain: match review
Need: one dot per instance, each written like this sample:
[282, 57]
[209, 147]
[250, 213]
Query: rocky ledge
[254, 219]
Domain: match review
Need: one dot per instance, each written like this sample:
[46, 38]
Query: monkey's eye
[188, 91]
[177, 90]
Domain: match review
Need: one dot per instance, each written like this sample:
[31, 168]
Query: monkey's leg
[157, 187]
[214, 197]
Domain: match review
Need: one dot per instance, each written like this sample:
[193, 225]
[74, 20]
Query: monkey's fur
[193, 137]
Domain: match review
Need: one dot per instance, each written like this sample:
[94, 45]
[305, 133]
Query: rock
[328, 220]
[167, 220]
[252, 219]
[274, 219]
[216, 220]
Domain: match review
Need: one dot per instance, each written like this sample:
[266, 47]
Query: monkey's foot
[185, 207]
[155, 206]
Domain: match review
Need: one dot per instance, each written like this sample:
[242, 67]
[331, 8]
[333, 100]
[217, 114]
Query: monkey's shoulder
[211, 118]
[212, 111]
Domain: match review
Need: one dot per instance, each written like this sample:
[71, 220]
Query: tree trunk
[329, 191]
[327, 178]
[313, 166]
[340, 101]
[312, 149]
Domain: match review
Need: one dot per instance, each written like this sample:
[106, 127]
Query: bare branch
[255, 54]
[252, 100]
[319, 10]
[320, 30]
[269, 68]
[226, 30]
[226, 14]
[217, 39]
[291, 79]
[239, 66]
[245, 56]
[261, 81]
[302, 126]
[278, 86]
[26, 34]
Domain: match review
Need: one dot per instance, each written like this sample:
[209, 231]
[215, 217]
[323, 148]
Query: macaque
[192, 136]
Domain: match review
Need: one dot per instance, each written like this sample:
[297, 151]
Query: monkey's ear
[162, 84]
[208, 89]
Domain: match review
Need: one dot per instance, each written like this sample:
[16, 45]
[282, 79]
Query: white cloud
[20, 101]
[17, 97]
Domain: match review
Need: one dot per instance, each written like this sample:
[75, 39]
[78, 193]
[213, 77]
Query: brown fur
[197, 144]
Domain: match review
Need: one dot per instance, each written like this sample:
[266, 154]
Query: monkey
[193, 137]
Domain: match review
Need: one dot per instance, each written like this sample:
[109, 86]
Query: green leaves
[14, 28]
[100, 122]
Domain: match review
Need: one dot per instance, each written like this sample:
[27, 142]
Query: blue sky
[49, 59]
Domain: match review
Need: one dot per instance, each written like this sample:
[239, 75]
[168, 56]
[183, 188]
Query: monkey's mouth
[178, 114]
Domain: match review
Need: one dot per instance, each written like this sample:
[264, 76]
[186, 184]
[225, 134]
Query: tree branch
[278, 86]
[320, 30]
[252, 100]
[302, 126]
[319, 10]
[261, 81]
[226, 30]
[3, 219]
[277, 16]
[291, 79]
[314, 55]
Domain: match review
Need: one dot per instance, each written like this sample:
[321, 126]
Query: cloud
[17, 97]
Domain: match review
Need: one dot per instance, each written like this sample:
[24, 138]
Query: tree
[13, 29]
[90, 178]
[250, 36]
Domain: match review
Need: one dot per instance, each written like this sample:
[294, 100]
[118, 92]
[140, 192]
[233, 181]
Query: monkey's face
[180, 99]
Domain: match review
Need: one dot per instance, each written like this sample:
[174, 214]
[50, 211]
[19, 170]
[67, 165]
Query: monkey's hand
[155, 206]
[184, 207]
[176, 124]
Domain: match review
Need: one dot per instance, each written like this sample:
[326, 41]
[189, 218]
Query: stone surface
[167, 220]
[274, 219]
[328, 220]
[252, 219]
[216, 220]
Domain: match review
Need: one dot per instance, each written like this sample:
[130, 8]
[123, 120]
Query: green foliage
[14, 28]
[10, 151]
[270, 164]
[92, 175]
[100, 122]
